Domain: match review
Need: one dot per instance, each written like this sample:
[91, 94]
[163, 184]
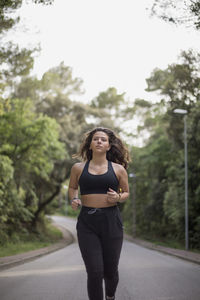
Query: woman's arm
[123, 186]
[73, 186]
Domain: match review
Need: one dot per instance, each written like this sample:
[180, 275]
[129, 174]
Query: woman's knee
[111, 274]
[95, 275]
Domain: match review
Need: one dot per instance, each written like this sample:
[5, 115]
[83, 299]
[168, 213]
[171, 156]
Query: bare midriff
[96, 200]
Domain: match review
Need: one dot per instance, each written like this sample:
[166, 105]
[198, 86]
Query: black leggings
[100, 236]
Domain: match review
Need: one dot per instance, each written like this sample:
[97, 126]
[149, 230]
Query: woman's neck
[99, 159]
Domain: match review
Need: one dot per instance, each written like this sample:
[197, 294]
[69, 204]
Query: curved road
[144, 275]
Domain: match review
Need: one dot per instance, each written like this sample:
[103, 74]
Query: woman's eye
[103, 140]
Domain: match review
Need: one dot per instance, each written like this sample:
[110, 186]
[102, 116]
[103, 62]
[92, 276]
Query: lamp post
[132, 175]
[66, 197]
[184, 112]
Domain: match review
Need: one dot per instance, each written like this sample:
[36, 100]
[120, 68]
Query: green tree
[30, 149]
[52, 96]
[14, 61]
[109, 99]
[178, 12]
[7, 7]
[179, 84]
[149, 165]
[159, 164]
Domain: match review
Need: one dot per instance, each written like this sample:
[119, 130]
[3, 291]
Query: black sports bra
[98, 184]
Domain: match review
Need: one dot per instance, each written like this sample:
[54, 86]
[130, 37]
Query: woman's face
[100, 142]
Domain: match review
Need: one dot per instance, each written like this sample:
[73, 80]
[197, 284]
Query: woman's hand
[113, 196]
[75, 203]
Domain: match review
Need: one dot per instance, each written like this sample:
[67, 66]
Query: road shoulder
[186, 255]
[14, 260]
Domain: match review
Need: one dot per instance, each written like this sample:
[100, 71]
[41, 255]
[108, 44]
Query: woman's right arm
[73, 186]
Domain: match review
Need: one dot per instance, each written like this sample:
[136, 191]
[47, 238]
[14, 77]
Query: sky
[107, 43]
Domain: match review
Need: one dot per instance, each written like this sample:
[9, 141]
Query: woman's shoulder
[77, 167]
[120, 171]
[118, 167]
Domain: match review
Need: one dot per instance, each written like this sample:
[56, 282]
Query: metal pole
[132, 175]
[186, 185]
[134, 206]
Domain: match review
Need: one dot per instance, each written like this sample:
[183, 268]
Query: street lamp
[132, 175]
[184, 112]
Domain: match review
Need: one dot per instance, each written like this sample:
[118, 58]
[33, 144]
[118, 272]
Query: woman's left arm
[123, 192]
[123, 185]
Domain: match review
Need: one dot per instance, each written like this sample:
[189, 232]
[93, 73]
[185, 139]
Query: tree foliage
[159, 165]
[61, 122]
[178, 11]
[29, 149]
[14, 61]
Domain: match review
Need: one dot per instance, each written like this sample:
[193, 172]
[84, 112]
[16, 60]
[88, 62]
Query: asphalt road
[144, 275]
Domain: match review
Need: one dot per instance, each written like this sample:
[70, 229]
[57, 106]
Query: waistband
[92, 210]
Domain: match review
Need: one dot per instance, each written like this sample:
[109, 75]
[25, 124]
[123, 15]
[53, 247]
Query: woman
[103, 183]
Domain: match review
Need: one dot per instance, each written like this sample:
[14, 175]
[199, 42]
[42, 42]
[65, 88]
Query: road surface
[144, 275]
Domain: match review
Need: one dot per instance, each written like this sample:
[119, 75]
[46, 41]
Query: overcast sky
[105, 42]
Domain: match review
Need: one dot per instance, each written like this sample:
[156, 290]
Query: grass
[173, 244]
[168, 243]
[165, 242]
[45, 238]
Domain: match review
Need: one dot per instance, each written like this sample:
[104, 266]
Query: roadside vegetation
[46, 235]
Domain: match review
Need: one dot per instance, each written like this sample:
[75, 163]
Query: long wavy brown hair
[118, 153]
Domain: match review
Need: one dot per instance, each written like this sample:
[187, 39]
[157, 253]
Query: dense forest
[41, 126]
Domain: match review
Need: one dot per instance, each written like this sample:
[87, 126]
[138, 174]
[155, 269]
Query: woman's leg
[112, 244]
[100, 237]
[111, 260]
[91, 251]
